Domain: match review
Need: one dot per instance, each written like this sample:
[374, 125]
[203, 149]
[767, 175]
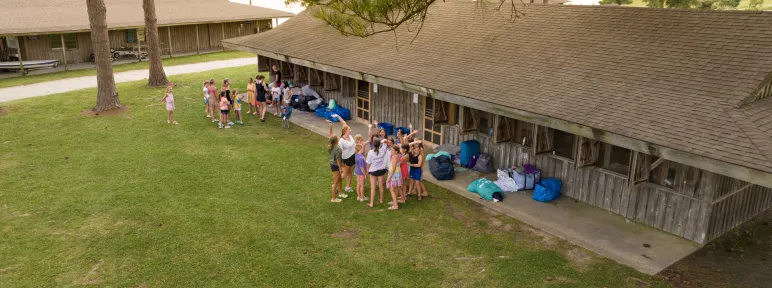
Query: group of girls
[221, 102]
[389, 161]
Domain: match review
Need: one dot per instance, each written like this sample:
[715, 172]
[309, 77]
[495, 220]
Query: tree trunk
[107, 95]
[157, 74]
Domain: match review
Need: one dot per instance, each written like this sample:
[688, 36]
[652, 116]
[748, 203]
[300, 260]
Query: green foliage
[683, 4]
[363, 18]
[755, 4]
[726, 4]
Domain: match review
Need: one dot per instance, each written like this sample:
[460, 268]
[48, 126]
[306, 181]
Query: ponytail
[333, 143]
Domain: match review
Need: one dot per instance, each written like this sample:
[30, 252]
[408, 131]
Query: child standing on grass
[416, 168]
[286, 107]
[377, 162]
[276, 93]
[251, 90]
[215, 103]
[224, 109]
[336, 155]
[226, 87]
[206, 100]
[169, 98]
[237, 105]
[360, 170]
[404, 158]
[394, 182]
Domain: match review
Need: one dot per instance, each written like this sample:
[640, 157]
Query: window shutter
[544, 139]
[642, 167]
[287, 70]
[440, 111]
[504, 129]
[331, 82]
[263, 64]
[315, 78]
[301, 73]
[523, 133]
[588, 152]
[471, 120]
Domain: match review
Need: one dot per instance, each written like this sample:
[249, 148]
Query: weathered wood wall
[682, 210]
[700, 206]
[40, 48]
[183, 40]
[736, 201]
[396, 107]
[504, 154]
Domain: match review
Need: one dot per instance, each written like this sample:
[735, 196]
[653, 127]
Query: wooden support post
[64, 50]
[223, 36]
[169, 34]
[21, 61]
[198, 43]
[139, 48]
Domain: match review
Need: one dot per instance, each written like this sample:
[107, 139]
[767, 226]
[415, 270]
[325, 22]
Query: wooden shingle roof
[50, 16]
[672, 77]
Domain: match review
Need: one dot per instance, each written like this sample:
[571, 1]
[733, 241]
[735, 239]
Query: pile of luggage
[327, 110]
[308, 100]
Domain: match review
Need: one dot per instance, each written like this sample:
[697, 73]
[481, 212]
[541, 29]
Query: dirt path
[72, 84]
[740, 258]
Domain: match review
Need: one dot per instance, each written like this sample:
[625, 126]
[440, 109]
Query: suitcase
[469, 148]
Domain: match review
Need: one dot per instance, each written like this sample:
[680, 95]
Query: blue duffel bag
[322, 111]
[340, 111]
[387, 127]
[404, 130]
[547, 190]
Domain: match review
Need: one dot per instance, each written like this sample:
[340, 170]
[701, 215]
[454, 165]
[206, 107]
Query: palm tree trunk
[107, 95]
[157, 74]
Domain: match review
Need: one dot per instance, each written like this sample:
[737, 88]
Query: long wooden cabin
[40, 29]
[663, 117]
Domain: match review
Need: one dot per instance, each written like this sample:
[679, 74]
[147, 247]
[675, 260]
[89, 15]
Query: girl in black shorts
[335, 163]
[261, 90]
[376, 166]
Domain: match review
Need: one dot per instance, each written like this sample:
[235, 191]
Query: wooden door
[363, 101]
[436, 112]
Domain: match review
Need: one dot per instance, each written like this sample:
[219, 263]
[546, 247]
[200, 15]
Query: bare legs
[349, 176]
[170, 117]
[335, 185]
[373, 181]
[361, 189]
[262, 111]
[394, 203]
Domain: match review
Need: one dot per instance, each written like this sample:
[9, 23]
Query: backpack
[484, 164]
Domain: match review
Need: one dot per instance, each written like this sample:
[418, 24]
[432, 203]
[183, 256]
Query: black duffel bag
[441, 168]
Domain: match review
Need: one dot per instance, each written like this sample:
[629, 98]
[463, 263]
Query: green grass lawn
[127, 200]
[31, 79]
